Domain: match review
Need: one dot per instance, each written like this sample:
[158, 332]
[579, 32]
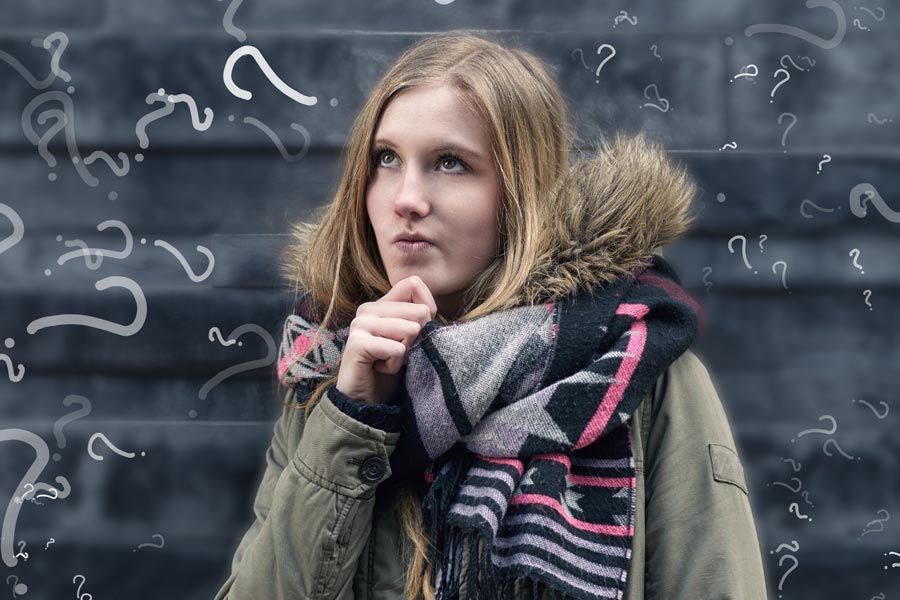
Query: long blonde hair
[519, 99]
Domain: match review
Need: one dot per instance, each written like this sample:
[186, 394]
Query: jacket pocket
[726, 466]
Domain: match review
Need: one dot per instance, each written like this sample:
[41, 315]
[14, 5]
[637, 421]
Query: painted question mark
[783, 271]
[783, 484]
[68, 118]
[795, 510]
[215, 333]
[246, 366]
[192, 106]
[612, 50]
[581, 56]
[161, 543]
[762, 238]
[51, 541]
[805, 35]
[140, 129]
[743, 249]
[779, 84]
[805, 495]
[623, 16]
[794, 464]
[10, 367]
[874, 410]
[839, 449]
[279, 144]
[654, 48]
[784, 135]
[870, 12]
[871, 117]
[110, 445]
[808, 201]
[184, 263]
[868, 294]
[257, 56]
[42, 456]
[99, 253]
[18, 588]
[61, 122]
[786, 573]
[706, 273]
[825, 431]
[794, 546]
[893, 565]
[855, 259]
[95, 322]
[791, 60]
[61, 422]
[658, 97]
[860, 26]
[58, 50]
[732, 145]
[21, 553]
[745, 72]
[826, 158]
[78, 593]
[866, 191]
[880, 523]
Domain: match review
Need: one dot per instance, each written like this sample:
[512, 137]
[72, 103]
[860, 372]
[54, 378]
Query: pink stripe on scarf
[588, 480]
[618, 530]
[623, 376]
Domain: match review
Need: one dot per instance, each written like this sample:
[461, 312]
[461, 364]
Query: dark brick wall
[782, 353]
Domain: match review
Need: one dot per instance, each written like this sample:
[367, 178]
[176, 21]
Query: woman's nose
[413, 194]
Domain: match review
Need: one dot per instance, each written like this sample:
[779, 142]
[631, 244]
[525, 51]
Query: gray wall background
[789, 347]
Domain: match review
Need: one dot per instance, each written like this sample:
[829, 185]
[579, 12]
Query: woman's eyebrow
[450, 146]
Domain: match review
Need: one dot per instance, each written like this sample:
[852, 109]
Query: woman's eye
[442, 160]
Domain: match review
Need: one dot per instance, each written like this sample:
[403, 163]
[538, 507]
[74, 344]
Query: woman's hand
[380, 336]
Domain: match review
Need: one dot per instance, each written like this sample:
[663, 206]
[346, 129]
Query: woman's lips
[410, 247]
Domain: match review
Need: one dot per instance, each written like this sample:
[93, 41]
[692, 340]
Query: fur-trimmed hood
[609, 213]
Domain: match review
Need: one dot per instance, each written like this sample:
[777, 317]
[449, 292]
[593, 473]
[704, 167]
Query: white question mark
[111, 446]
[66, 419]
[762, 238]
[184, 263]
[280, 85]
[95, 322]
[855, 259]
[18, 588]
[868, 294]
[825, 431]
[795, 509]
[866, 191]
[743, 249]
[783, 271]
[779, 84]
[786, 573]
[605, 60]
[826, 158]
[745, 72]
[784, 135]
[162, 543]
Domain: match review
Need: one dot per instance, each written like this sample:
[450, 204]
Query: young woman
[489, 390]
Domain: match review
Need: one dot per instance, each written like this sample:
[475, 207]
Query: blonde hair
[520, 101]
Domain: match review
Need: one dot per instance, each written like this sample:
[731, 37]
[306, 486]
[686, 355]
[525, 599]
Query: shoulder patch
[726, 466]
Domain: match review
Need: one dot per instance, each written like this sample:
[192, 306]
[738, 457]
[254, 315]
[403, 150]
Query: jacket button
[373, 468]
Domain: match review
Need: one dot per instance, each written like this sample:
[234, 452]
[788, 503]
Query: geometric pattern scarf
[517, 425]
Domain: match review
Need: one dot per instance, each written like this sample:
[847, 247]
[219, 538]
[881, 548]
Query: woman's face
[433, 175]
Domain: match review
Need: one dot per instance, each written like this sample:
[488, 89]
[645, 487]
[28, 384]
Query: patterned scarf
[518, 424]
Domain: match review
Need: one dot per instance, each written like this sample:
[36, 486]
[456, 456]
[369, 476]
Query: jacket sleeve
[313, 506]
[701, 538]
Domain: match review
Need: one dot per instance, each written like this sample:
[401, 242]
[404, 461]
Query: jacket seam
[371, 563]
[333, 546]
